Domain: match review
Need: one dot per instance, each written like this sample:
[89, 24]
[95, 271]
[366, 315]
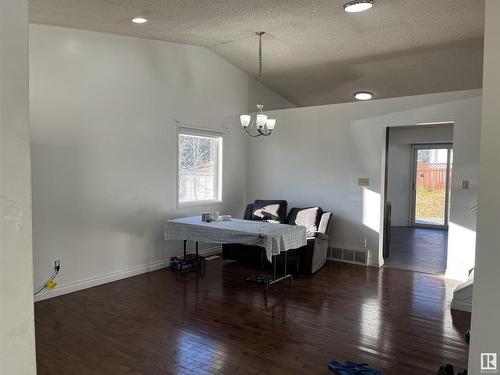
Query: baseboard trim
[113, 276]
[101, 279]
[369, 264]
[461, 305]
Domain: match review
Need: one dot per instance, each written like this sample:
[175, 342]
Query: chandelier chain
[260, 56]
[259, 122]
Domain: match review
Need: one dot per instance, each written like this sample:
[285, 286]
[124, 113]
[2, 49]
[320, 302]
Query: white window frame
[188, 130]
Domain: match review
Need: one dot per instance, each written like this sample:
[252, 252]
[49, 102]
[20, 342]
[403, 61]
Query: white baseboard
[461, 305]
[371, 263]
[113, 276]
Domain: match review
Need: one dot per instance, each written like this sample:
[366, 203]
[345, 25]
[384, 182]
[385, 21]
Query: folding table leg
[197, 259]
[286, 274]
[275, 279]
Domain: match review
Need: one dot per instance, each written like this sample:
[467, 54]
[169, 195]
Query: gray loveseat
[305, 260]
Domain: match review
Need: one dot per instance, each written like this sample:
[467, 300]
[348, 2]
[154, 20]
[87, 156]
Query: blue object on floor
[352, 368]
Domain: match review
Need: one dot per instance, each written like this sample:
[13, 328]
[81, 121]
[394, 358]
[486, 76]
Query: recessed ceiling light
[363, 95]
[139, 20]
[356, 6]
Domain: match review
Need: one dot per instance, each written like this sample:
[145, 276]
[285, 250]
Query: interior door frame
[413, 195]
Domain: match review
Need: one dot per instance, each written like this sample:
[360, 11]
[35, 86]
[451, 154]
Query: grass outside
[430, 205]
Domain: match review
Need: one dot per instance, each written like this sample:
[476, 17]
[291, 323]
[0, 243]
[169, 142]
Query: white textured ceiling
[314, 52]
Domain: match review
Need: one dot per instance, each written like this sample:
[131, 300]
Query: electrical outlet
[465, 184]
[363, 181]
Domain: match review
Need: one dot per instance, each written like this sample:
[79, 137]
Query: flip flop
[339, 368]
[364, 368]
[352, 368]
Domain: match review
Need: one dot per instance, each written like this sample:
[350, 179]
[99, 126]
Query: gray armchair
[312, 256]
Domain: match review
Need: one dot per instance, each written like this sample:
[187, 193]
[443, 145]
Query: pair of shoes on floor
[352, 368]
[449, 370]
[253, 278]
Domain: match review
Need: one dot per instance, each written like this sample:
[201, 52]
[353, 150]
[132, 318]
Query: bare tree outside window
[198, 168]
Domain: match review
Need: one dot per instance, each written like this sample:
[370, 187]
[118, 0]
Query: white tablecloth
[275, 238]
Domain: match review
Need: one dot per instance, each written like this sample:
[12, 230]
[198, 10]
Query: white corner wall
[399, 165]
[317, 153]
[104, 147]
[17, 339]
[268, 97]
[485, 329]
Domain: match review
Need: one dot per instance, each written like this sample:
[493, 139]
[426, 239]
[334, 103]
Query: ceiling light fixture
[260, 121]
[363, 95]
[139, 20]
[357, 6]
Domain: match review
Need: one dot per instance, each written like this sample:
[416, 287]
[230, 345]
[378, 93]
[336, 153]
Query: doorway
[430, 196]
[417, 196]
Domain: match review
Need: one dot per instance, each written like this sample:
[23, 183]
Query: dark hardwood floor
[418, 249]
[216, 323]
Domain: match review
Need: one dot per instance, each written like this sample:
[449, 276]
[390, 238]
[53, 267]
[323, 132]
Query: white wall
[399, 165]
[485, 330]
[17, 340]
[268, 97]
[317, 153]
[104, 147]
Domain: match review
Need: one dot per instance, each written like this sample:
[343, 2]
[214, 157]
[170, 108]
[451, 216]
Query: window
[200, 166]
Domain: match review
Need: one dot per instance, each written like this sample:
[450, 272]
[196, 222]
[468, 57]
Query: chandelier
[260, 122]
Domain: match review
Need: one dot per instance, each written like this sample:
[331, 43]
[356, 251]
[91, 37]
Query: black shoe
[446, 370]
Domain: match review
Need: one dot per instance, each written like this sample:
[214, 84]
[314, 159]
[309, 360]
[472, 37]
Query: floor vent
[355, 256]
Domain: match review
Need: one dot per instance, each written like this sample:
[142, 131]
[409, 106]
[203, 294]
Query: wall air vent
[354, 256]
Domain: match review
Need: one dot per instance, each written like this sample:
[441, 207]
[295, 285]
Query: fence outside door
[430, 186]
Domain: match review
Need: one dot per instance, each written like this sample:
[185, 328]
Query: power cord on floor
[50, 283]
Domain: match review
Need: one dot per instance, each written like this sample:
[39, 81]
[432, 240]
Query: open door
[431, 185]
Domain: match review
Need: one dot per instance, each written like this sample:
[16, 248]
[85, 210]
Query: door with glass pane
[430, 185]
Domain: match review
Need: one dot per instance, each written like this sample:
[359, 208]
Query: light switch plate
[363, 181]
[465, 184]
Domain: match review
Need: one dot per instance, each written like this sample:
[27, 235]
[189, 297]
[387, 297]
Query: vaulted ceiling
[314, 52]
